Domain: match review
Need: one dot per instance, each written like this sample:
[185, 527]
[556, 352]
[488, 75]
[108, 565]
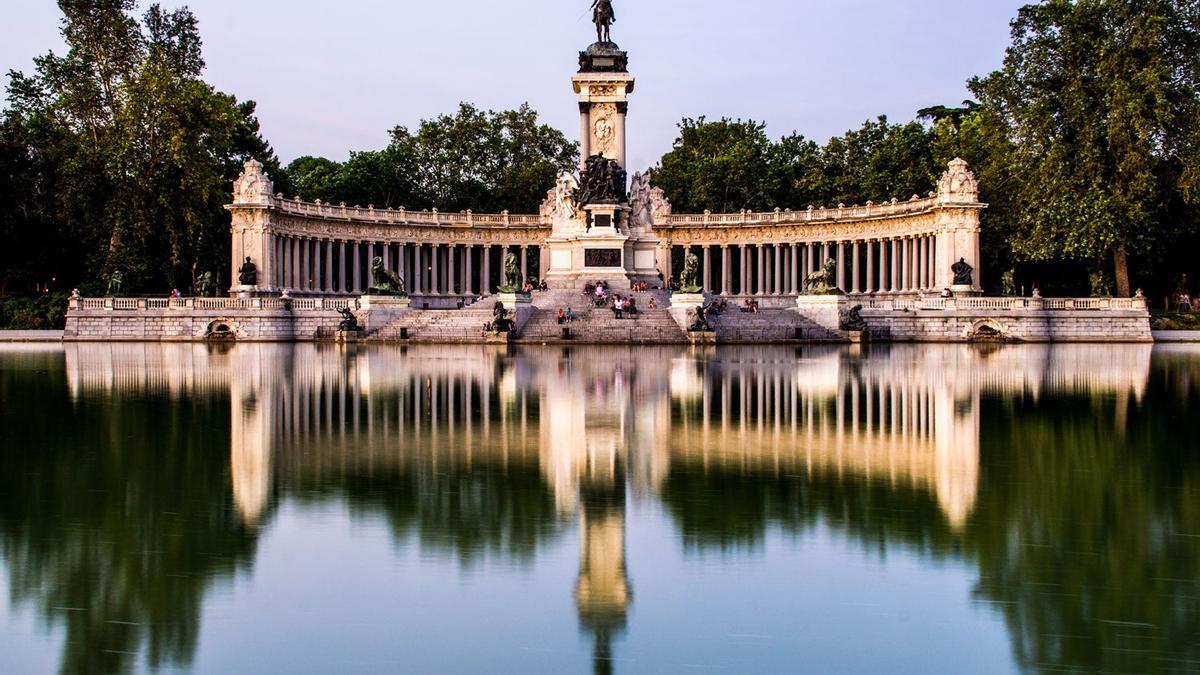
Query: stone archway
[222, 330]
[987, 330]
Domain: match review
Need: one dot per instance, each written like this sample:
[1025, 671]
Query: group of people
[532, 285]
[566, 316]
[1183, 302]
[750, 306]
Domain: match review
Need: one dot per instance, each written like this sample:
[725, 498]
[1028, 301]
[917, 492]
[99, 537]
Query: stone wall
[173, 325]
[1110, 325]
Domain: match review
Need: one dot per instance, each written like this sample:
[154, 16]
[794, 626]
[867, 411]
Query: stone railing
[211, 304]
[811, 215]
[981, 304]
[402, 216]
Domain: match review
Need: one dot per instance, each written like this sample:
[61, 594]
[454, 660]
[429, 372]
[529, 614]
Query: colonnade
[889, 265]
[309, 265]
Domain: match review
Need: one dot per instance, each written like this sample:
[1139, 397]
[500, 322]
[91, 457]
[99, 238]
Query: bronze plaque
[602, 257]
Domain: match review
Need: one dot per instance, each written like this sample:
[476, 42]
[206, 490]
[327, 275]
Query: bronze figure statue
[963, 273]
[601, 181]
[248, 273]
[116, 285]
[854, 321]
[349, 323]
[604, 17]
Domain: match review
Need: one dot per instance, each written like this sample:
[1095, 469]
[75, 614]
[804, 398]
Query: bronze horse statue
[604, 17]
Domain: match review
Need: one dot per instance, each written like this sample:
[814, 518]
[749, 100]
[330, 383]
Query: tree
[475, 159]
[133, 152]
[722, 166]
[1101, 100]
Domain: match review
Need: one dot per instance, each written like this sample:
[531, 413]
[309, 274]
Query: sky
[332, 77]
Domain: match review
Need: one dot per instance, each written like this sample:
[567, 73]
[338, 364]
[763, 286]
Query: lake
[296, 508]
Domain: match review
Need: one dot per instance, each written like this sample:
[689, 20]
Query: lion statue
[823, 281]
[386, 282]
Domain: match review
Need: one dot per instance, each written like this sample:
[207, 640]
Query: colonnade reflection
[585, 429]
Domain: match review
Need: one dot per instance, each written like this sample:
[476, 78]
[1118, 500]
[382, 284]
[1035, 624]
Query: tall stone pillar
[356, 266]
[707, 281]
[485, 282]
[761, 276]
[777, 263]
[603, 87]
[524, 263]
[726, 270]
[854, 271]
[869, 282]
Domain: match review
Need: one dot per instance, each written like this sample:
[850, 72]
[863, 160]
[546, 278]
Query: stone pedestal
[520, 307]
[377, 311]
[824, 314]
[965, 291]
[683, 308]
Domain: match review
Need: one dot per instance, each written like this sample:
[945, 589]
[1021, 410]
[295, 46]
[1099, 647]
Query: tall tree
[1101, 99]
[133, 150]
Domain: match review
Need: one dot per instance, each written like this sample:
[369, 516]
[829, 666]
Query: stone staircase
[768, 325]
[439, 325]
[599, 325]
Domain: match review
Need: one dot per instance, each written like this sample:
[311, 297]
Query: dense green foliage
[1101, 102]
[485, 161]
[46, 311]
[118, 156]
[1086, 143]
[730, 165]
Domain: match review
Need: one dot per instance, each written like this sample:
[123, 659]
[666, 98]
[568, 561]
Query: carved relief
[604, 128]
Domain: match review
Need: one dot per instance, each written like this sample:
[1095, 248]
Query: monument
[595, 235]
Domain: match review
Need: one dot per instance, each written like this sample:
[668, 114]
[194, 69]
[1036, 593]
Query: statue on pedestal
[248, 273]
[604, 17]
[512, 275]
[823, 281]
[963, 273]
[386, 282]
[206, 285]
[116, 285]
[689, 280]
[602, 181]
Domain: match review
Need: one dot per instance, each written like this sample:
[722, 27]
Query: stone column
[524, 263]
[619, 136]
[707, 280]
[777, 263]
[356, 266]
[295, 281]
[726, 270]
[854, 269]
[435, 258]
[744, 287]
[893, 270]
[585, 133]
[797, 254]
[341, 287]
[869, 282]
[485, 281]
[762, 271]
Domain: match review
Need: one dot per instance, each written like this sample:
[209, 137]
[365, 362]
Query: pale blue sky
[331, 77]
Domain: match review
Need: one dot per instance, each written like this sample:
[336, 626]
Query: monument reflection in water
[1062, 474]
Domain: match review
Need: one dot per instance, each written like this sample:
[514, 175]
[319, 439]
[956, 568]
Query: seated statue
[248, 273]
[501, 321]
[700, 325]
[386, 282]
[853, 321]
[349, 322]
[963, 273]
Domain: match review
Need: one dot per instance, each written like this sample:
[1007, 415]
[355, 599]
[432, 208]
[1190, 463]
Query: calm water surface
[300, 509]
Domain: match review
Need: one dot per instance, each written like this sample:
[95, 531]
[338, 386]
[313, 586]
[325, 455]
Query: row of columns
[893, 265]
[339, 266]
